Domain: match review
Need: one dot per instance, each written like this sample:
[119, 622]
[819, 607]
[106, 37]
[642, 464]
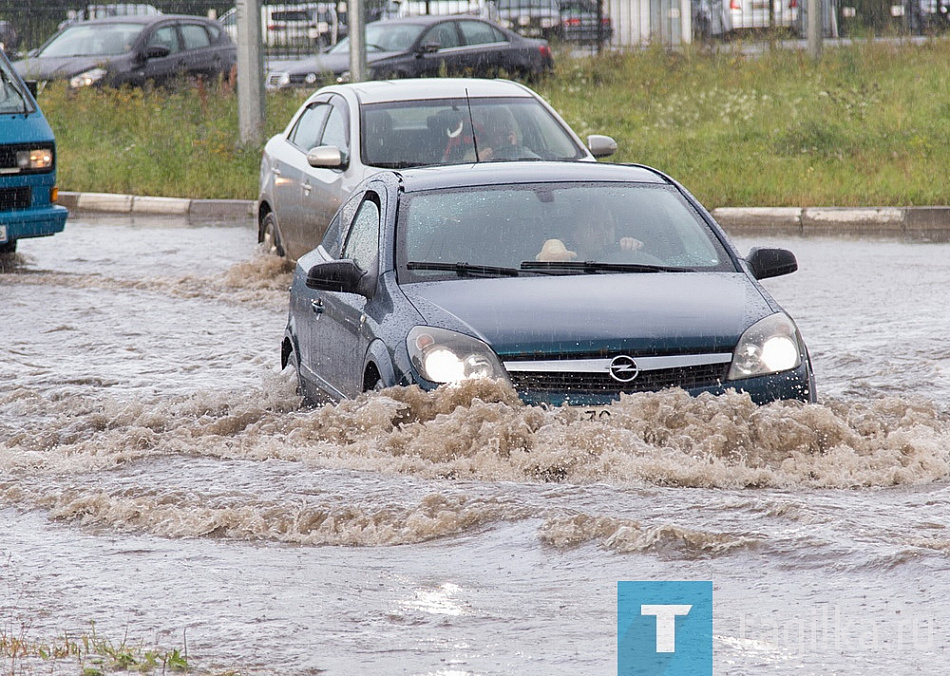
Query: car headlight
[87, 78]
[768, 346]
[278, 80]
[443, 356]
[34, 159]
[343, 77]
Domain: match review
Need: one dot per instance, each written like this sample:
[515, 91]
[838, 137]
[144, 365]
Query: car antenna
[471, 121]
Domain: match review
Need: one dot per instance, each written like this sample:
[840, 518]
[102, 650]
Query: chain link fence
[300, 29]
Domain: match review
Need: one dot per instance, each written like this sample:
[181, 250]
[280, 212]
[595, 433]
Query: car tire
[269, 236]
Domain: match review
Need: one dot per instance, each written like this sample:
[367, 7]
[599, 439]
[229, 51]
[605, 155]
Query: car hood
[636, 312]
[48, 68]
[333, 63]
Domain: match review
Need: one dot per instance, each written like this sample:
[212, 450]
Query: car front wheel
[270, 236]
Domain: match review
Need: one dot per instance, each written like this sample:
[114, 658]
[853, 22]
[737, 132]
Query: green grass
[868, 125]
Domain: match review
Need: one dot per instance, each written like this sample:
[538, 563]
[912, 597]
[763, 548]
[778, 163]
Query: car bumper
[42, 222]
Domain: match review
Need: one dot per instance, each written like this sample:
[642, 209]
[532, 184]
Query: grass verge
[868, 125]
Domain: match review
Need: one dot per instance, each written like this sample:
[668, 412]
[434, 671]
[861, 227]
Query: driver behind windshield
[592, 237]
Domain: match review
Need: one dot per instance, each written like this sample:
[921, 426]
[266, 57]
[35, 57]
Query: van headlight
[87, 78]
[442, 356]
[768, 346]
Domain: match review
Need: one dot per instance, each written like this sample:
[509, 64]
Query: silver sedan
[344, 133]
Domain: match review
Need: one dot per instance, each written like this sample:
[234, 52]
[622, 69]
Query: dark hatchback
[424, 46]
[574, 282]
[132, 50]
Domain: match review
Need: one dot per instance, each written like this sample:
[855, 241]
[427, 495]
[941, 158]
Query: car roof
[139, 18]
[502, 173]
[384, 91]
[426, 19]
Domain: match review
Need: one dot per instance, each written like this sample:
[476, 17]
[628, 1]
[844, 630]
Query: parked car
[755, 14]
[433, 276]
[132, 50]
[426, 46]
[711, 19]
[581, 23]
[344, 133]
[486, 9]
[312, 23]
[533, 18]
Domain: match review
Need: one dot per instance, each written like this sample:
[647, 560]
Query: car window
[166, 36]
[444, 34]
[382, 37]
[480, 33]
[195, 36]
[306, 133]
[334, 133]
[94, 40]
[506, 226]
[439, 131]
[362, 242]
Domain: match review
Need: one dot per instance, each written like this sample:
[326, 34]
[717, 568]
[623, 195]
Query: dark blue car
[574, 282]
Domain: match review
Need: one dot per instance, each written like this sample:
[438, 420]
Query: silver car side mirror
[601, 146]
[327, 157]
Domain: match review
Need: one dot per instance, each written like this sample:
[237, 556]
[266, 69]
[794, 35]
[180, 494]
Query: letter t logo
[665, 624]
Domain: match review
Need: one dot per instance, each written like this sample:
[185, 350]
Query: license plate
[3, 233]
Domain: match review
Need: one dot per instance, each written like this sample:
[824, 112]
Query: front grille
[703, 375]
[15, 198]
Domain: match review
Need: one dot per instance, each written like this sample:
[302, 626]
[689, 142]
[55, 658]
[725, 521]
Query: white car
[344, 133]
[291, 25]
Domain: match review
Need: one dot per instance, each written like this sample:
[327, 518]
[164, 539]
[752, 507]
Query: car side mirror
[430, 46]
[157, 52]
[327, 157]
[766, 263]
[601, 146]
[342, 276]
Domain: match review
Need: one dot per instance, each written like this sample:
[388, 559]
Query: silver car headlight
[87, 78]
[768, 346]
[442, 356]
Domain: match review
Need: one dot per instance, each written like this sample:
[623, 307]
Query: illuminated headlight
[343, 77]
[34, 159]
[442, 356]
[90, 77]
[768, 346]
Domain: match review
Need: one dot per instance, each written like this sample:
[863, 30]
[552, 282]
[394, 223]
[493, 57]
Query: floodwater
[160, 485]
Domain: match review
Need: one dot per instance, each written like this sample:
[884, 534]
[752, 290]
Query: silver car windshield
[383, 37]
[451, 131]
[94, 40]
[553, 229]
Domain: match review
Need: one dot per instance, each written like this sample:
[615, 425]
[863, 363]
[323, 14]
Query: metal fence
[303, 28]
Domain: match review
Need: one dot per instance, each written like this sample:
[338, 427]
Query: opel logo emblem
[623, 369]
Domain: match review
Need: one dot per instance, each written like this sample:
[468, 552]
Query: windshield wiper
[591, 267]
[467, 269]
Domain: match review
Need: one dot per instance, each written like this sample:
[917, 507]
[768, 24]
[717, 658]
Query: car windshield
[562, 228]
[12, 97]
[449, 131]
[384, 37]
[109, 39]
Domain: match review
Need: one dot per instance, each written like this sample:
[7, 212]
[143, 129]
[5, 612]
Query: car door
[323, 189]
[487, 49]
[198, 56]
[160, 69]
[339, 332]
[290, 170]
[447, 57]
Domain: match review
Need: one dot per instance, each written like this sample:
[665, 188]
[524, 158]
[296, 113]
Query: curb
[917, 223]
[161, 206]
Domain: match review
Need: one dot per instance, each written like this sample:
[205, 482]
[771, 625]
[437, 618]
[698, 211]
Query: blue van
[27, 165]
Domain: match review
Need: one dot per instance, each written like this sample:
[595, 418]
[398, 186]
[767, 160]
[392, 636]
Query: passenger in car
[500, 139]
